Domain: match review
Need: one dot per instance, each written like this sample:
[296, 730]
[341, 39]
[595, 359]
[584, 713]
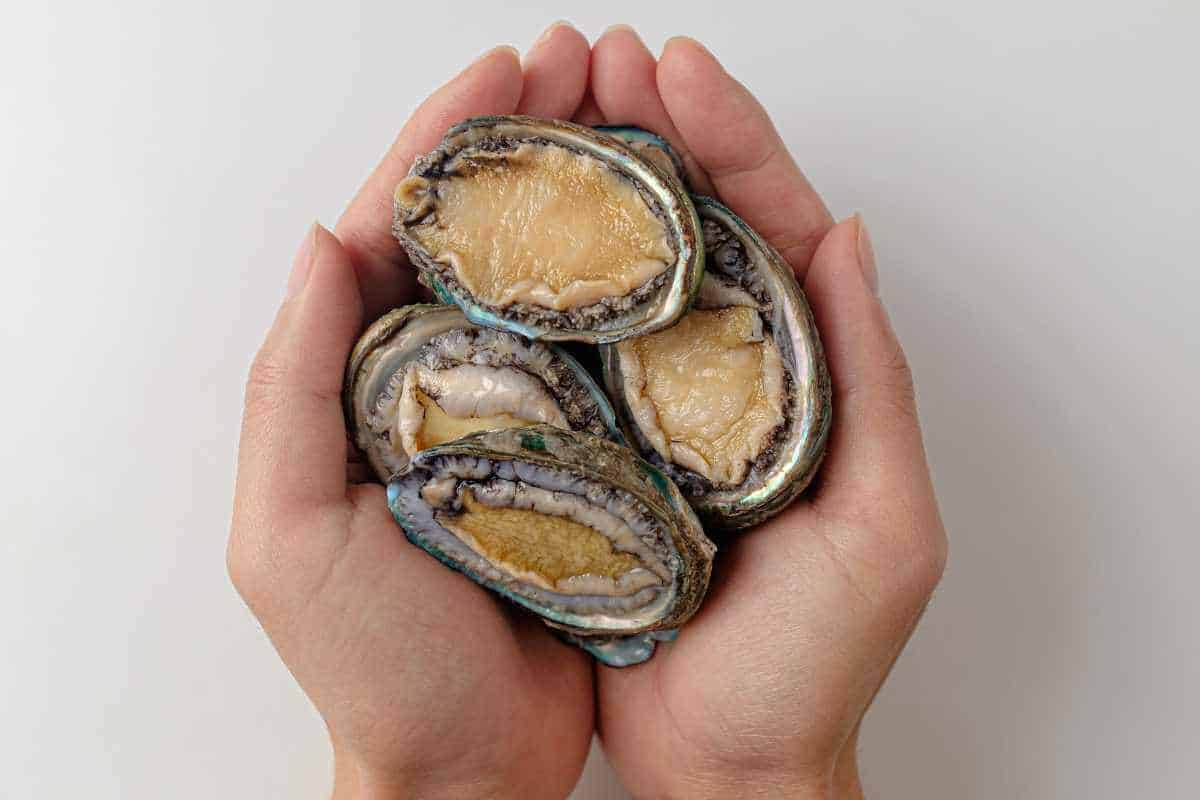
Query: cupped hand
[430, 686]
[763, 691]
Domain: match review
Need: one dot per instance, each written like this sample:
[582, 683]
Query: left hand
[764, 690]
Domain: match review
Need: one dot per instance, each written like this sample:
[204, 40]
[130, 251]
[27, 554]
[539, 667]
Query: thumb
[876, 461]
[292, 456]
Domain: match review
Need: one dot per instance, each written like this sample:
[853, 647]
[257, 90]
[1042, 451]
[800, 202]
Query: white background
[1029, 172]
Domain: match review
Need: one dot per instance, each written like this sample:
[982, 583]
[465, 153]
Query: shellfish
[733, 403]
[650, 146]
[423, 374]
[571, 526]
[550, 230]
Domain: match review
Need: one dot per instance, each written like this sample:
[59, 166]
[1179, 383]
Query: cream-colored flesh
[716, 293]
[707, 393]
[549, 550]
[438, 427]
[540, 225]
[436, 406]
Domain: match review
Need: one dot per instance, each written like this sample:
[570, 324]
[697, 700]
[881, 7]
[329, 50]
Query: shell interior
[649, 146]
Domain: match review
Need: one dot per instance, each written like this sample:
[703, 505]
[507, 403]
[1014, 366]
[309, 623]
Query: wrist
[355, 780]
[836, 781]
[742, 784]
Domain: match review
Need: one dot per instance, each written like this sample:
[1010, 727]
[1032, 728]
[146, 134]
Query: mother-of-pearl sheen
[469, 398]
[544, 226]
[552, 540]
[707, 393]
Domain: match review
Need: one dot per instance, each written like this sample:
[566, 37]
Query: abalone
[733, 403]
[650, 146]
[550, 230]
[423, 374]
[573, 527]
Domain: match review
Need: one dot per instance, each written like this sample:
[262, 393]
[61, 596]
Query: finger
[734, 141]
[876, 460]
[491, 85]
[292, 457]
[555, 73]
[588, 112]
[626, 92]
[360, 473]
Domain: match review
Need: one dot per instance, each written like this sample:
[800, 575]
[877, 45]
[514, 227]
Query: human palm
[432, 687]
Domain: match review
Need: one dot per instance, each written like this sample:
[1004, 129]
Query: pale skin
[432, 687]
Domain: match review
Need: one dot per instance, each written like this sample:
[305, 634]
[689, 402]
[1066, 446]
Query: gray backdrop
[1028, 171]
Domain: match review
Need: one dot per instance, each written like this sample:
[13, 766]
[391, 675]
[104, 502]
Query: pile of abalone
[503, 456]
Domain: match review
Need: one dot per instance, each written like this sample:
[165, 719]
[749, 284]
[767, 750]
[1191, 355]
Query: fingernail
[499, 49]
[302, 264]
[866, 256]
[546, 34]
[683, 40]
[619, 28]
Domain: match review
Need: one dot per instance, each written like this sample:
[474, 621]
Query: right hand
[430, 686]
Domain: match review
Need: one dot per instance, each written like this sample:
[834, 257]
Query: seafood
[733, 403]
[571, 526]
[550, 230]
[650, 146]
[423, 375]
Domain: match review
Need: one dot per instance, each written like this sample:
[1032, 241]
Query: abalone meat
[550, 230]
[571, 526]
[423, 374]
[733, 403]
